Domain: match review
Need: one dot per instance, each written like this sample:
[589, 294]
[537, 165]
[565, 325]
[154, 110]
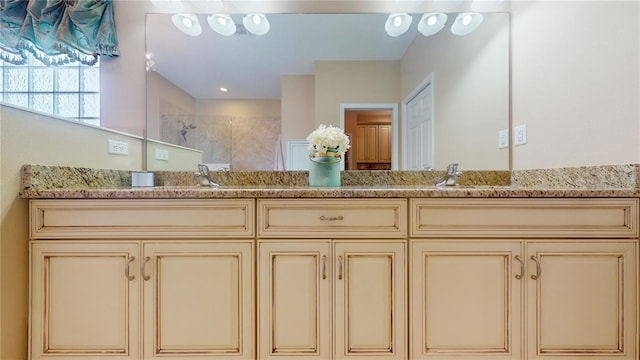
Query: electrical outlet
[162, 155]
[520, 135]
[503, 139]
[118, 147]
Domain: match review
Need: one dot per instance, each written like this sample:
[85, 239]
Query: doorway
[372, 129]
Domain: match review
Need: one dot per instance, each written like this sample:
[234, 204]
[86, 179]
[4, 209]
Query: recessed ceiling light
[223, 89]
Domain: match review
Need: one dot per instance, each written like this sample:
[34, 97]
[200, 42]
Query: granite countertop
[54, 182]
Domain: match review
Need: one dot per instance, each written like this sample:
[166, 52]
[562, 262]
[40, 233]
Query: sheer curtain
[57, 31]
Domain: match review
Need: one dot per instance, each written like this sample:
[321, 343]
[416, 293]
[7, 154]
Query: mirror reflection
[312, 69]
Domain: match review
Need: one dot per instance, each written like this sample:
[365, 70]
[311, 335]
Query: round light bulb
[432, 20]
[256, 19]
[187, 22]
[397, 21]
[466, 20]
[222, 21]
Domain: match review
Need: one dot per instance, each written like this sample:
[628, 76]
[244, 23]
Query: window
[70, 91]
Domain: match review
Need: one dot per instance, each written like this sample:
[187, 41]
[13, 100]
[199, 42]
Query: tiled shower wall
[245, 143]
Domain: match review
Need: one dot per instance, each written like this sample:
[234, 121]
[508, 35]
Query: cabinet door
[370, 299]
[367, 143]
[84, 300]
[384, 143]
[466, 300]
[294, 300]
[582, 300]
[198, 300]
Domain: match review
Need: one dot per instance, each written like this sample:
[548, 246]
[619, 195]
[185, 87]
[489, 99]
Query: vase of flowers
[327, 144]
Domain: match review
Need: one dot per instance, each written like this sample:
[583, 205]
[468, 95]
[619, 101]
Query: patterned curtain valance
[57, 31]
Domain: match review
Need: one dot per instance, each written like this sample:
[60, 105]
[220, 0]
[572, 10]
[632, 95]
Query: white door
[417, 133]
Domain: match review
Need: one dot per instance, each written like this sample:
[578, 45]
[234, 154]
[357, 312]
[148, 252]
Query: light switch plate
[520, 135]
[503, 139]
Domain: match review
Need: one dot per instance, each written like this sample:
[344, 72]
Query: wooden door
[294, 304]
[198, 300]
[85, 300]
[370, 299]
[582, 300]
[466, 300]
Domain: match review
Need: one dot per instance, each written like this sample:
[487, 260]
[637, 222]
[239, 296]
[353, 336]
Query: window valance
[57, 31]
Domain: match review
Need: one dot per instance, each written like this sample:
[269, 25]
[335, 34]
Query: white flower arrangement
[328, 140]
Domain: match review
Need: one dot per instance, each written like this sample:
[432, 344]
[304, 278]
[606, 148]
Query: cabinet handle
[519, 276]
[331, 218]
[339, 267]
[143, 270]
[324, 267]
[126, 269]
[536, 276]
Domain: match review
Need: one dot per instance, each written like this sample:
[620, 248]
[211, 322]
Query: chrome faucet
[452, 176]
[203, 171]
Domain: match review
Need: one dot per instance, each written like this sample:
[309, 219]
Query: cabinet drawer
[109, 219]
[524, 218]
[313, 218]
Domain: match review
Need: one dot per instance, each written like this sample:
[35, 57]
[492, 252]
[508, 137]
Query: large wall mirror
[304, 72]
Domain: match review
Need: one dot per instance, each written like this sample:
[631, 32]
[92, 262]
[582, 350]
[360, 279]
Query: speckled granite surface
[599, 181]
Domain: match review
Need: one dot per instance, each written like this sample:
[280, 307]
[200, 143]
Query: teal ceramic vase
[324, 171]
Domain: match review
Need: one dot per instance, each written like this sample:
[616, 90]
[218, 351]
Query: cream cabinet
[102, 295]
[327, 298]
[548, 279]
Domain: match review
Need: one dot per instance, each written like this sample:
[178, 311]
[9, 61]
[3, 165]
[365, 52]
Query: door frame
[426, 82]
[394, 124]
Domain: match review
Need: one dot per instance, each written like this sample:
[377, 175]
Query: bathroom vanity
[397, 272]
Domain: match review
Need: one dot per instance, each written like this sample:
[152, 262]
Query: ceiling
[251, 66]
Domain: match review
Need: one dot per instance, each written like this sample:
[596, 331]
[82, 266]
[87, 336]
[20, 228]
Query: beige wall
[298, 108]
[575, 85]
[352, 82]
[576, 82]
[164, 98]
[28, 138]
[470, 91]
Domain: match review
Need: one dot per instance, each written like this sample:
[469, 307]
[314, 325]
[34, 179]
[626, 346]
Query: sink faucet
[452, 176]
[203, 171]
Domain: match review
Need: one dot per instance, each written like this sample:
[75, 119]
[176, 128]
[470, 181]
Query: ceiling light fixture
[397, 24]
[187, 23]
[222, 24]
[168, 5]
[466, 22]
[431, 23]
[256, 24]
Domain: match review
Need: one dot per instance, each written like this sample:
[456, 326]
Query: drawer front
[314, 218]
[109, 219]
[524, 218]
